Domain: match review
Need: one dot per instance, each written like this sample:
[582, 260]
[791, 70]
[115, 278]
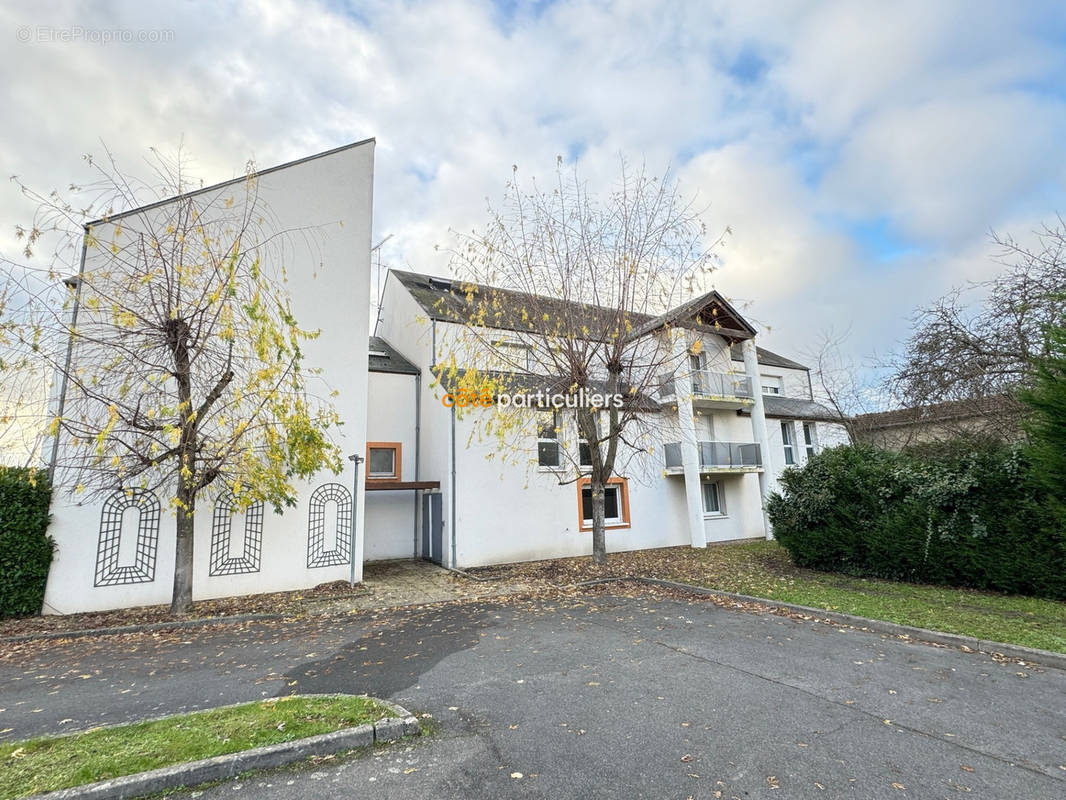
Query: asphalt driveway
[606, 697]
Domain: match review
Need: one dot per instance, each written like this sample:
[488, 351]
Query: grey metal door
[432, 527]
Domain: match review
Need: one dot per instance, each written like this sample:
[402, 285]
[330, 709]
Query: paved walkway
[407, 582]
[595, 697]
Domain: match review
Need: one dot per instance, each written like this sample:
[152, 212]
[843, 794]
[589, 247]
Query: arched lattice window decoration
[108, 571]
[317, 555]
[222, 562]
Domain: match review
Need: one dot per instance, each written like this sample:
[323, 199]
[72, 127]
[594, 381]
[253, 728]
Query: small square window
[383, 460]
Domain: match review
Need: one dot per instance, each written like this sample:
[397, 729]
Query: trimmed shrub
[967, 513]
[25, 547]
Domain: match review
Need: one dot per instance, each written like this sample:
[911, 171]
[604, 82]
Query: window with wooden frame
[383, 461]
[615, 504]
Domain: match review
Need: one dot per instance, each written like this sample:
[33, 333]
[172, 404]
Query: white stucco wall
[330, 196]
[389, 531]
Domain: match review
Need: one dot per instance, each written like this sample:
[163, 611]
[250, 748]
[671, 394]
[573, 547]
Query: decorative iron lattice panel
[317, 555]
[222, 563]
[108, 571]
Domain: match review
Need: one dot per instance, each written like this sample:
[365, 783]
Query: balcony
[710, 389]
[717, 457]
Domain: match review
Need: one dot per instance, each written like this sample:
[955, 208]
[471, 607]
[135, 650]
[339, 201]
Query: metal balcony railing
[705, 383]
[722, 455]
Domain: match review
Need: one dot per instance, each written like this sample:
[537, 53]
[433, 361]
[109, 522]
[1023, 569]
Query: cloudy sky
[860, 152]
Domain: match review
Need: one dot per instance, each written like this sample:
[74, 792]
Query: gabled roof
[448, 300]
[385, 358]
[767, 358]
[709, 311]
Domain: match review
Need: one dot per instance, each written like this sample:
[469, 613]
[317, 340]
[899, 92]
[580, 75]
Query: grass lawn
[47, 764]
[763, 569]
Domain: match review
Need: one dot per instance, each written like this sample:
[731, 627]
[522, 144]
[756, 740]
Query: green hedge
[25, 547]
[962, 514]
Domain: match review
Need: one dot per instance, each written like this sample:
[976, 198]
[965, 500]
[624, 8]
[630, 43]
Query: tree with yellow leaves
[178, 359]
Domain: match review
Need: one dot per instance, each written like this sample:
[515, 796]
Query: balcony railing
[705, 383]
[717, 455]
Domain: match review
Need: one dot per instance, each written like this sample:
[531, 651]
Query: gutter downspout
[451, 528]
[758, 427]
[356, 461]
[61, 406]
[418, 444]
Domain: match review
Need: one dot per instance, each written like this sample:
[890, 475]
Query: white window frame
[776, 386]
[810, 439]
[608, 522]
[697, 363]
[719, 496]
[556, 424]
[788, 443]
[503, 347]
[581, 462]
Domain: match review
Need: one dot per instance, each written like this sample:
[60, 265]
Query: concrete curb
[390, 729]
[151, 626]
[1029, 654]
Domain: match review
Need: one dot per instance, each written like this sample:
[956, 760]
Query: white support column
[690, 456]
[758, 427]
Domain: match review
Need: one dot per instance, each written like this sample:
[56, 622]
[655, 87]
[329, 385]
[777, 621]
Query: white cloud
[944, 119]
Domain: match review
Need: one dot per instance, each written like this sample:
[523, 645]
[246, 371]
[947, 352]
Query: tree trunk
[181, 600]
[599, 539]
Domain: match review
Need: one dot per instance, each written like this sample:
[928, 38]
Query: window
[548, 454]
[808, 438]
[712, 499]
[383, 461]
[615, 503]
[514, 356]
[584, 453]
[696, 364]
[786, 442]
[772, 384]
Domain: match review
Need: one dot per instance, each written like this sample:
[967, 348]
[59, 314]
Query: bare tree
[561, 294]
[980, 341]
[838, 381]
[180, 360]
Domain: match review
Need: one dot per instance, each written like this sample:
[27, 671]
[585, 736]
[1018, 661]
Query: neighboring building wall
[330, 287]
[389, 531]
